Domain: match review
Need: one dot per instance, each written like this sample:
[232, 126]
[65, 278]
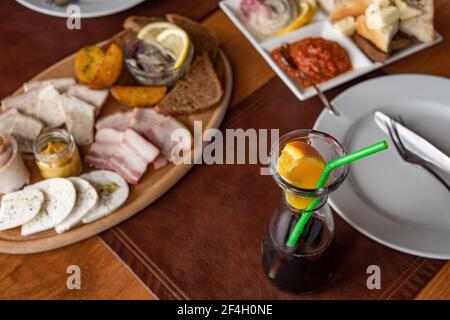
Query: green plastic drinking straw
[330, 166]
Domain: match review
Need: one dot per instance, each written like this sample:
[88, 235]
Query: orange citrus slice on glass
[301, 165]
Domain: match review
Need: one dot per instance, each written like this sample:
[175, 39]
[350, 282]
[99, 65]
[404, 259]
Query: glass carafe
[309, 265]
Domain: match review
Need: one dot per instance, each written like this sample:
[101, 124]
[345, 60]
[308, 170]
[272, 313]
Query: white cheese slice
[112, 189]
[60, 195]
[20, 207]
[378, 18]
[87, 199]
[346, 26]
[406, 12]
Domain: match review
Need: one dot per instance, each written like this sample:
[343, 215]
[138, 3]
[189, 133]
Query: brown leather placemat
[202, 240]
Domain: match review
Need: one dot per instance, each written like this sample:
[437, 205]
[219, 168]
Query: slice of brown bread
[203, 39]
[199, 90]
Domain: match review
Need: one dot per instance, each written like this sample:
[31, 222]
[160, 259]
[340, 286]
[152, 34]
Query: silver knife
[415, 143]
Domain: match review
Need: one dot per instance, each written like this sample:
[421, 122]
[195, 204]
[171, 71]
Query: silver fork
[407, 155]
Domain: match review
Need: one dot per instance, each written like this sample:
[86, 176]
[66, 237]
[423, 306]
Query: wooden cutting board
[152, 185]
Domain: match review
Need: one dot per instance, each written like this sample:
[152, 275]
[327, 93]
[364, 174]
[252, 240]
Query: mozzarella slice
[87, 199]
[60, 198]
[20, 207]
[112, 190]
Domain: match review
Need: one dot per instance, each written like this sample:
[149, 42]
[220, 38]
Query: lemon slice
[313, 4]
[177, 41]
[307, 12]
[151, 30]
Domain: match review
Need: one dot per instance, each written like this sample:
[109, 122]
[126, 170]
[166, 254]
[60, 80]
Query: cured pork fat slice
[127, 153]
[156, 128]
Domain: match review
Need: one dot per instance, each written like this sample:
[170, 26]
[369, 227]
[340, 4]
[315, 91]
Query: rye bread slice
[203, 39]
[199, 90]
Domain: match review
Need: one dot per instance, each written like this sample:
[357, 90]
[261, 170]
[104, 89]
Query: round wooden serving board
[152, 185]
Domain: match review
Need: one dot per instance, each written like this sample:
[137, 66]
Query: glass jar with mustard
[57, 154]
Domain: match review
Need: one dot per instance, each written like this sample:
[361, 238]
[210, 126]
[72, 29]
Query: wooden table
[30, 42]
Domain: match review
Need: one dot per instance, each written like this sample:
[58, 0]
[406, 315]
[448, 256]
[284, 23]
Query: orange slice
[301, 165]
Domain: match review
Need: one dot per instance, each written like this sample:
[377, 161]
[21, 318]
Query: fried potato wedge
[138, 97]
[87, 63]
[110, 68]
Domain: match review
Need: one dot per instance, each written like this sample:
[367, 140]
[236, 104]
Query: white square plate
[319, 27]
[324, 29]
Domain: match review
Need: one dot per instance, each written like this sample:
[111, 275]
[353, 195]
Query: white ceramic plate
[395, 203]
[89, 8]
[320, 27]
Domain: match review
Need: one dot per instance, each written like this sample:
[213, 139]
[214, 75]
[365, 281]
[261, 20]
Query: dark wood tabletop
[31, 42]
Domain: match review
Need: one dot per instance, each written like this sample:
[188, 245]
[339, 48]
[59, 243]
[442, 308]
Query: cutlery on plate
[287, 59]
[415, 143]
[413, 148]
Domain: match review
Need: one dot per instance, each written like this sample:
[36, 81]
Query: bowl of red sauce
[320, 59]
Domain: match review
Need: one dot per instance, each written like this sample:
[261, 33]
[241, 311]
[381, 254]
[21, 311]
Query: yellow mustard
[57, 155]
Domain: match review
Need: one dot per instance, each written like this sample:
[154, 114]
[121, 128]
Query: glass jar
[57, 154]
[166, 76]
[311, 263]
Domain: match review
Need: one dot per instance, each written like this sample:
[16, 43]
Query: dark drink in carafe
[305, 268]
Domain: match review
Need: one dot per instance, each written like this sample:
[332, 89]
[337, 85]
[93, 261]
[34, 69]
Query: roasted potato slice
[110, 68]
[87, 63]
[138, 97]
